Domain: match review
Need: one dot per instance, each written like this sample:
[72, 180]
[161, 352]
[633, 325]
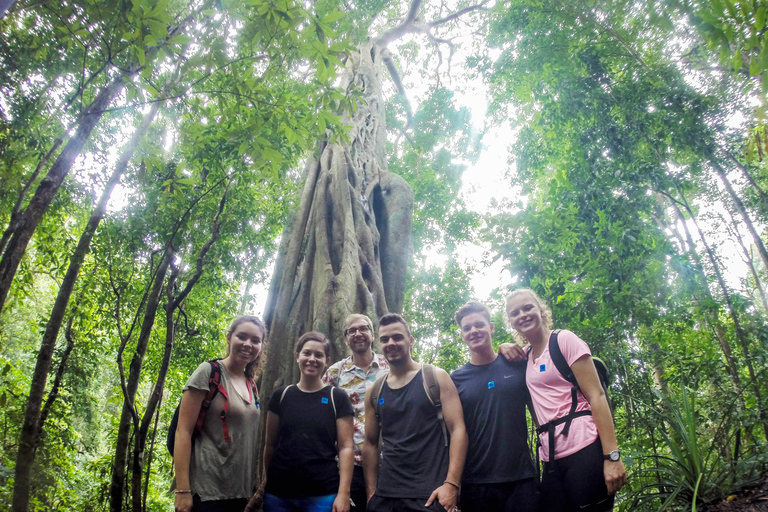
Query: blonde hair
[355, 317]
[546, 313]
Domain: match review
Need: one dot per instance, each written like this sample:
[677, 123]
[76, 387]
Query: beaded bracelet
[182, 491]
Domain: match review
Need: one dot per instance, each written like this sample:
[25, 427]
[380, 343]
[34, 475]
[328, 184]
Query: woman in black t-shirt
[308, 425]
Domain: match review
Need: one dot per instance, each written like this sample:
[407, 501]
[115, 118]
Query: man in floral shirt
[355, 374]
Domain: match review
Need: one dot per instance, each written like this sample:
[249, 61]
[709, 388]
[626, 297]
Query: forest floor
[753, 498]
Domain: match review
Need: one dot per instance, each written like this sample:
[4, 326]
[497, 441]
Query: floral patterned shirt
[346, 375]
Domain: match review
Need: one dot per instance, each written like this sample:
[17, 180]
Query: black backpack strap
[558, 359]
[432, 388]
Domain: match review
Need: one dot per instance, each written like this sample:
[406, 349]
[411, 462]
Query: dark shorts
[236, 505]
[576, 483]
[519, 496]
[357, 492]
[379, 504]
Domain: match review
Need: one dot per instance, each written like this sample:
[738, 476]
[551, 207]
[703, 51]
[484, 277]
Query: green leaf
[181, 39]
[6, 369]
[140, 54]
[754, 66]
[334, 16]
[737, 61]
[760, 18]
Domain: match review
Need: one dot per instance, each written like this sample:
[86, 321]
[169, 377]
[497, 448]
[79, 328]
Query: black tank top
[414, 458]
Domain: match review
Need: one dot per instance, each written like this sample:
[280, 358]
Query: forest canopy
[165, 163]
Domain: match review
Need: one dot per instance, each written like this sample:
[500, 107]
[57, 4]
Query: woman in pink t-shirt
[587, 470]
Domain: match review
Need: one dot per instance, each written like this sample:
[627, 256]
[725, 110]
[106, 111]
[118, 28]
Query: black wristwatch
[614, 456]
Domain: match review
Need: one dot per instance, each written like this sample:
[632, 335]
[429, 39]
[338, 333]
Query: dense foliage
[148, 163]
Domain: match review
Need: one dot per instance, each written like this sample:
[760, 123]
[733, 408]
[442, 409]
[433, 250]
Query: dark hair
[253, 368]
[393, 318]
[314, 336]
[470, 307]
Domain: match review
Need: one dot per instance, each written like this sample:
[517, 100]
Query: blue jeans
[274, 503]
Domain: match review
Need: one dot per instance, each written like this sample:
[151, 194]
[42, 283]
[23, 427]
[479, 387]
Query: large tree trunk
[346, 249]
[29, 431]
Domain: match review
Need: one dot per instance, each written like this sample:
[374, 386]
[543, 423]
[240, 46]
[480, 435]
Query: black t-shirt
[494, 397]
[304, 462]
[414, 458]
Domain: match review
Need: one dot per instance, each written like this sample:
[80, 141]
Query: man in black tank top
[499, 474]
[418, 471]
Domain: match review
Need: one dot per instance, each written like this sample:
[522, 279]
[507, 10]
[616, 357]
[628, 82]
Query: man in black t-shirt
[499, 474]
[418, 469]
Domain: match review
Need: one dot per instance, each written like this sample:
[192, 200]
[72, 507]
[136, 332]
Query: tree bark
[153, 402]
[346, 249]
[29, 432]
[740, 334]
[743, 212]
[129, 414]
[28, 220]
[708, 305]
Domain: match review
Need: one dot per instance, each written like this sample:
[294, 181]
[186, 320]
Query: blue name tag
[381, 401]
[491, 385]
[542, 368]
[324, 400]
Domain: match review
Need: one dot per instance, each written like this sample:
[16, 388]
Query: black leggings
[576, 483]
[236, 505]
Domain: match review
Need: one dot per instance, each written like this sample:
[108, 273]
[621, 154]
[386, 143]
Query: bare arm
[191, 402]
[448, 493]
[370, 448]
[589, 384]
[512, 352]
[346, 447]
[271, 438]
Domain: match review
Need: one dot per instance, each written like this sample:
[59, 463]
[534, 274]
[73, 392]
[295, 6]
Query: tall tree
[347, 247]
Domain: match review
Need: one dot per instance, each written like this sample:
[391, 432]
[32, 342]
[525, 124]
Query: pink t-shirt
[551, 396]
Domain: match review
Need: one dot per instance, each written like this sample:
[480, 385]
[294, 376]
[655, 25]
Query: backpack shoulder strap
[333, 400]
[432, 388]
[214, 383]
[285, 390]
[558, 359]
[374, 392]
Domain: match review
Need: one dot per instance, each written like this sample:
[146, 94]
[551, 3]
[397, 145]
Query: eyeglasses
[363, 329]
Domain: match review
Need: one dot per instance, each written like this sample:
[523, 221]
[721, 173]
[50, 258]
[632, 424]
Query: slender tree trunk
[30, 218]
[745, 172]
[29, 431]
[129, 415]
[149, 459]
[708, 305]
[174, 302]
[750, 263]
[743, 212]
[740, 334]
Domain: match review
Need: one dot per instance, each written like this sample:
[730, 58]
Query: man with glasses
[355, 374]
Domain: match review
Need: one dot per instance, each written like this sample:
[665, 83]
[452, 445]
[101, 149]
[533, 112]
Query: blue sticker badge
[324, 400]
[381, 401]
[491, 385]
[542, 368]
